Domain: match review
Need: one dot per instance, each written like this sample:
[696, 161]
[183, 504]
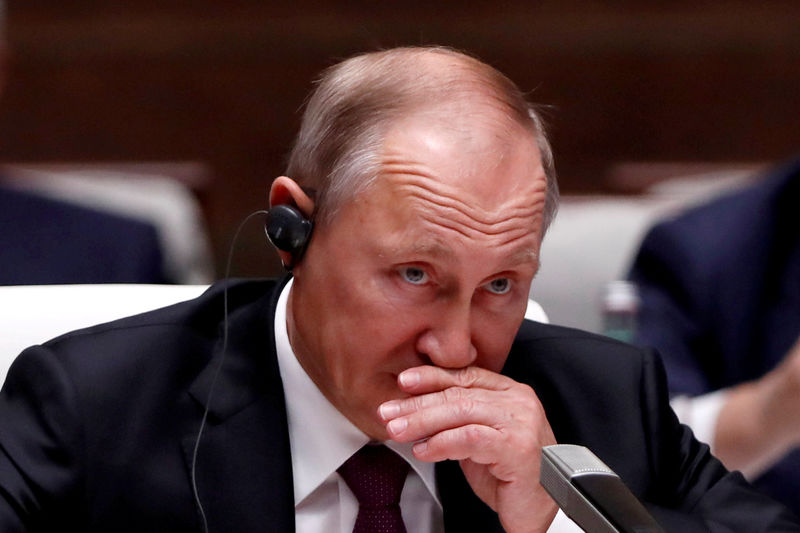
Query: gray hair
[347, 115]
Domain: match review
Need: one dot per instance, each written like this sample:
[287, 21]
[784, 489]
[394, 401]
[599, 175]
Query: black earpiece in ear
[288, 230]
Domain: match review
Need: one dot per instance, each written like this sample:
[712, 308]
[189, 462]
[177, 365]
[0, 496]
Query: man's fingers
[423, 416]
[395, 408]
[481, 445]
[474, 441]
[427, 378]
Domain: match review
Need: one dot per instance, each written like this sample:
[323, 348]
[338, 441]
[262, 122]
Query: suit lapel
[243, 468]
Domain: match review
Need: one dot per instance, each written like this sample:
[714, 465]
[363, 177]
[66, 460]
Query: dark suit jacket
[720, 289]
[97, 427]
[45, 241]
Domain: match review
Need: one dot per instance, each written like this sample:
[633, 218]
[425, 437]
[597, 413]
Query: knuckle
[525, 396]
[467, 377]
[525, 390]
[453, 394]
[472, 435]
[527, 447]
[418, 402]
[465, 407]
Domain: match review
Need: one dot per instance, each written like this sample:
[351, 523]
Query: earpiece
[288, 230]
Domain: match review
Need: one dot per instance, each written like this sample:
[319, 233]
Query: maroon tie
[376, 476]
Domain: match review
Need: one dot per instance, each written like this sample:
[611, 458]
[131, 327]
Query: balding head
[355, 103]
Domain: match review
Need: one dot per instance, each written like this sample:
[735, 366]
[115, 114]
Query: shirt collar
[322, 438]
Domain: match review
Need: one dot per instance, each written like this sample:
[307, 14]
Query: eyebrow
[430, 248]
[524, 255]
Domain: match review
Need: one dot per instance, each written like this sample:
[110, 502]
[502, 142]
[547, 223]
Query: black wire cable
[203, 421]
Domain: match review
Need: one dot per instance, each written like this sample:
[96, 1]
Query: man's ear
[286, 192]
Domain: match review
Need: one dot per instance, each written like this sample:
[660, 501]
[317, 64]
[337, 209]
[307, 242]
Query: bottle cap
[621, 296]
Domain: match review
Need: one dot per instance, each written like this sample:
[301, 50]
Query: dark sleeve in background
[720, 290]
[46, 241]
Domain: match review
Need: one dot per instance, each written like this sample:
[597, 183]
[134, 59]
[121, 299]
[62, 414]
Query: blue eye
[414, 275]
[499, 286]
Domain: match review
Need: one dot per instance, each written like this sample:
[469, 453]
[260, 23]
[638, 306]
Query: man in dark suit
[46, 241]
[430, 184]
[720, 289]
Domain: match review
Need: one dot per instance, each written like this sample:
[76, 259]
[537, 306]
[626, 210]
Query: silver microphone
[590, 493]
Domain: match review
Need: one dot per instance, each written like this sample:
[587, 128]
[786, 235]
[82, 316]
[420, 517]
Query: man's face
[430, 265]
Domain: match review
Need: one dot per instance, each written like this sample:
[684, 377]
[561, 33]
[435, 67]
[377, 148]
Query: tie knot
[376, 476]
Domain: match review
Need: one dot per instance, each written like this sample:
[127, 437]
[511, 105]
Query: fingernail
[397, 426]
[420, 447]
[409, 378]
[389, 410]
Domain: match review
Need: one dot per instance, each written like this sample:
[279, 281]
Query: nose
[447, 342]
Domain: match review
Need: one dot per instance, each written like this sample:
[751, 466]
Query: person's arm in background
[750, 425]
[758, 422]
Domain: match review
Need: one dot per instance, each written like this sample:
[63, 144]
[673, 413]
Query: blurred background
[149, 129]
[208, 93]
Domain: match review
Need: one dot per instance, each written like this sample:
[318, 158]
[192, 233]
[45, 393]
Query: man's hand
[758, 424]
[493, 425]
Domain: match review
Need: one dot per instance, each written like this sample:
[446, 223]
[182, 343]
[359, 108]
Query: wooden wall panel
[221, 82]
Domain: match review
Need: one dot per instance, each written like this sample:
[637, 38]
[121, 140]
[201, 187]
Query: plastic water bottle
[620, 307]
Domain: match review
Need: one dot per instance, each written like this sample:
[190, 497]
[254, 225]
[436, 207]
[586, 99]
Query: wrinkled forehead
[481, 185]
[489, 158]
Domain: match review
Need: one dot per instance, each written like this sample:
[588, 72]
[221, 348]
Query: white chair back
[32, 314]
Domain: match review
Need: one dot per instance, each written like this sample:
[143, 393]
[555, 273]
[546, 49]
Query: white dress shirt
[701, 413]
[322, 439]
